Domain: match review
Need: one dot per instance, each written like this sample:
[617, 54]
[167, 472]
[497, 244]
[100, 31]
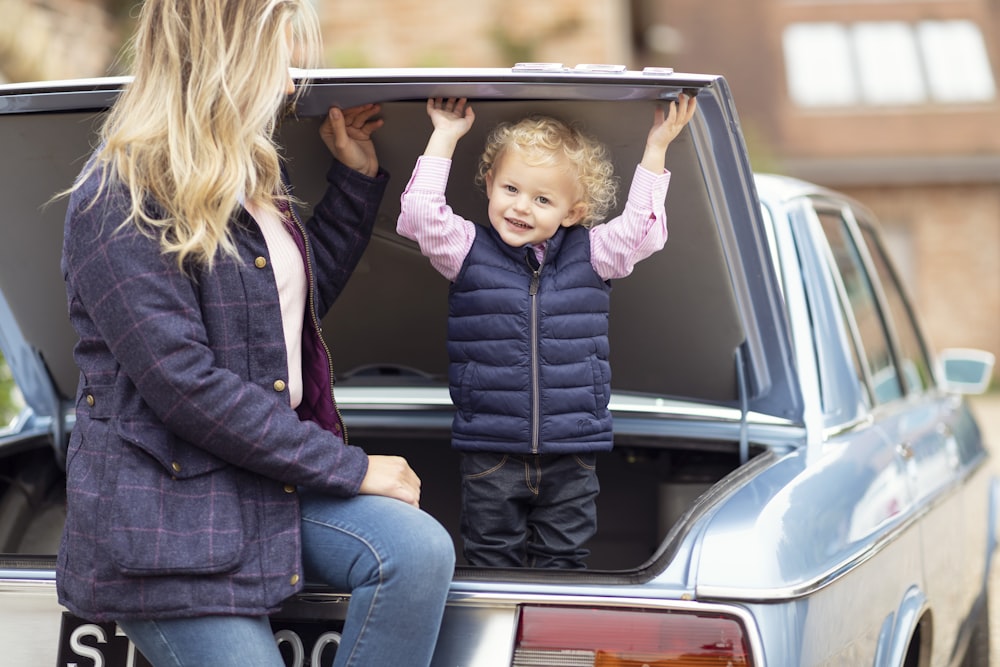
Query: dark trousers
[528, 510]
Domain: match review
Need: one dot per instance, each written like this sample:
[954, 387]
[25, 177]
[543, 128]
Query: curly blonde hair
[547, 141]
[194, 130]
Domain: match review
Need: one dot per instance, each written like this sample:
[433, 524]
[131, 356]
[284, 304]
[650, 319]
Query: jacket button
[260, 262]
[279, 385]
[176, 466]
[90, 400]
[294, 580]
[289, 488]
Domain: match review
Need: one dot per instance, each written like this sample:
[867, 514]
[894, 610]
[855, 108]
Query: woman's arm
[341, 227]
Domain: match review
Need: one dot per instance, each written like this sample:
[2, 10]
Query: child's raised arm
[452, 119]
[665, 129]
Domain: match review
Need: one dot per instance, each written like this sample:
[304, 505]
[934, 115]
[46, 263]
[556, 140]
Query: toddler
[528, 319]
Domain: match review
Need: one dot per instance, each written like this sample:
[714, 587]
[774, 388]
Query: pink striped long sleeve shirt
[446, 238]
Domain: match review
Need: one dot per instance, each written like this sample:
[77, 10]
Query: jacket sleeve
[340, 228]
[149, 315]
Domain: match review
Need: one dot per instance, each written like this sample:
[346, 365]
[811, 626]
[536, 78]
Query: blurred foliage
[518, 49]
[347, 57]
[10, 397]
[122, 10]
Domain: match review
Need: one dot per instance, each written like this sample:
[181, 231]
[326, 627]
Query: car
[797, 478]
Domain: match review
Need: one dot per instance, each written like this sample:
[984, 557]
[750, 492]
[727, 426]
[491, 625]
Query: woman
[208, 474]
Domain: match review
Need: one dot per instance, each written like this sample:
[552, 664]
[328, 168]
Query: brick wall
[931, 173]
[480, 33]
[947, 239]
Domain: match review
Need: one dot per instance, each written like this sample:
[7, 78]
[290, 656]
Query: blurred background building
[892, 101]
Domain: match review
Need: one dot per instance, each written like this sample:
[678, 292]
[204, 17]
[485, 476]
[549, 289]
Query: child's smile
[517, 223]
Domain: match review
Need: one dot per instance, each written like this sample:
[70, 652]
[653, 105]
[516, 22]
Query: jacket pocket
[175, 509]
[466, 390]
[602, 382]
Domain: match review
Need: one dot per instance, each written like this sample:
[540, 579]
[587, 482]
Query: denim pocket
[476, 465]
[586, 460]
[175, 509]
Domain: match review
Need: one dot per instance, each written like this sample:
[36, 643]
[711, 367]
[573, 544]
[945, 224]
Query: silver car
[796, 478]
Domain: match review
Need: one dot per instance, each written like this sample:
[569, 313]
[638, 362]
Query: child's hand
[451, 115]
[452, 119]
[666, 127]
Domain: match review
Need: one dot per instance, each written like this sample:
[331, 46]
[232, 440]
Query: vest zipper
[533, 294]
[317, 329]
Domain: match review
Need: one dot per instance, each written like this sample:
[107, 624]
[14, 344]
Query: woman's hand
[348, 135]
[393, 477]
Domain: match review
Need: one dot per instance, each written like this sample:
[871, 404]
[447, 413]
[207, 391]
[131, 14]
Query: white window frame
[887, 63]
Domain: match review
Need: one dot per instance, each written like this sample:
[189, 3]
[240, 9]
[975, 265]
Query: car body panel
[30, 611]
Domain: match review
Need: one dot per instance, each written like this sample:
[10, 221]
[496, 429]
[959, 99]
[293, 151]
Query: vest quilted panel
[529, 372]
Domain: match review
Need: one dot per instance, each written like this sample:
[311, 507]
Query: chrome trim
[31, 580]
[377, 398]
[419, 398]
[864, 421]
[668, 407]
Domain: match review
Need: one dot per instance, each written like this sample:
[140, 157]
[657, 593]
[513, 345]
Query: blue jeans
[396, 561]
[528, 510]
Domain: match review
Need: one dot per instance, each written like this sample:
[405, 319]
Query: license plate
[86, 644]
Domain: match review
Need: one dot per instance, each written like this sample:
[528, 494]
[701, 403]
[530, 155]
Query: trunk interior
[644, 491]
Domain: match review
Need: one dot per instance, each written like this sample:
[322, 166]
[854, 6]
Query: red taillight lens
[611, 637]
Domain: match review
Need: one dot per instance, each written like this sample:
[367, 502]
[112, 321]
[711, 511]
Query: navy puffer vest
[529, 366]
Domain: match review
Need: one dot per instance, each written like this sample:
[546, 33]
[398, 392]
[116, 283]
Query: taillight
[611, 637]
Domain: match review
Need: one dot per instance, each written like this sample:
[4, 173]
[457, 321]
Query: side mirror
[965, 371]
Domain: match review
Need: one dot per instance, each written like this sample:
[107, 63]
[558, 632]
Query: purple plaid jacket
[184, 463]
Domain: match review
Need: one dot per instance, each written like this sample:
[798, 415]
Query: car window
[870, 330]
[913, 359]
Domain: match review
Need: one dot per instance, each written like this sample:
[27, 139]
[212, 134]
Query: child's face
[529, 203]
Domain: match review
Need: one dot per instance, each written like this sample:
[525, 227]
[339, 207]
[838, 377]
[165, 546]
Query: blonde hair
[194, 130]
[546, 141]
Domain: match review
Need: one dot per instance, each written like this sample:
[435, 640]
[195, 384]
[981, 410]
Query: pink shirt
[615, 246]
[290, 274]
